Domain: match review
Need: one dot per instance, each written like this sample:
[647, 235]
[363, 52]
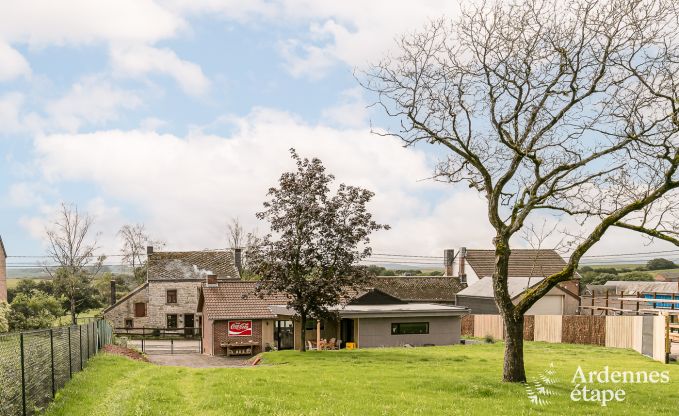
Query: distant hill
[39, 273]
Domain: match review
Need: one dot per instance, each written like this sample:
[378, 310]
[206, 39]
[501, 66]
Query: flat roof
[380, 311]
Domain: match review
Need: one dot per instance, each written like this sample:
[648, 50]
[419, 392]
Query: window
[129, 323]
[139, 310]
[172, 321]
[410, 328]
[311, 325]
[172, 296]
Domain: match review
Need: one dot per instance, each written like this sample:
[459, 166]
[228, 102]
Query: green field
[457, 380]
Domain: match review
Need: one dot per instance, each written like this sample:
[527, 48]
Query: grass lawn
[453, 380]
[82, 317]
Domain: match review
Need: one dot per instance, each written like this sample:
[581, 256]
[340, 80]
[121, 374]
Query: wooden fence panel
[620, 331]
[659, 337]
[467, 326]
[548, 328]
[488, 325]
[584, 329]
[528, 327]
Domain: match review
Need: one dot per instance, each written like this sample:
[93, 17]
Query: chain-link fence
[35, 364]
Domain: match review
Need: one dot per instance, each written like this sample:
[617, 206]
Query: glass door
[284, 335]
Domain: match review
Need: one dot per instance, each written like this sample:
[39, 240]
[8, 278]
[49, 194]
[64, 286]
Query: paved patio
[196, 360]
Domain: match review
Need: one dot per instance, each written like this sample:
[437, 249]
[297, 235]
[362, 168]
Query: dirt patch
[125, 352]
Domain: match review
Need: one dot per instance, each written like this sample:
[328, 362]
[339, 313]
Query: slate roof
[419, 288]
[237, 300]
[483, 288]
[191, 265]
[522, 262]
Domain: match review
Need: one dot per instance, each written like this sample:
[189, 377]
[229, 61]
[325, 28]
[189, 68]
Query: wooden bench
[238, 348]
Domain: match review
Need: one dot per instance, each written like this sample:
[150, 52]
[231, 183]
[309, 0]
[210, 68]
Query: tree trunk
[74, 319]
[302, 333]
[513, 370]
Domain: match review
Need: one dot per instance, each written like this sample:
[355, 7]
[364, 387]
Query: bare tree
[72, 247]
[135, 240]
[544, 107]
[236, 235]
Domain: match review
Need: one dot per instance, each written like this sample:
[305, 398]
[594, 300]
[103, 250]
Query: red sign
[240, 328]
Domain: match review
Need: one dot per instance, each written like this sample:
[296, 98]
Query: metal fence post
[70, 356]
[80, 346]
[23, 375]
[171, 346]
[54, 387]
[88, 342]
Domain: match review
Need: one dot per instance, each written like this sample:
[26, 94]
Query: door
[346, 331]
[284, 335]
[547, 305]
[189, 325]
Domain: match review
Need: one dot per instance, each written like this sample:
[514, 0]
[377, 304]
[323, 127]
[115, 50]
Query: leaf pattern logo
[538, 389]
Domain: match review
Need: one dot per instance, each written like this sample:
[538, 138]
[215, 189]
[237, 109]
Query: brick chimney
[211, 280]
[448, 259]
[3, 272]
[238, 259]
[113, 292]
[462, 273]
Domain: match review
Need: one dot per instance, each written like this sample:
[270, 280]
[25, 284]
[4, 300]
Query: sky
[180, 115]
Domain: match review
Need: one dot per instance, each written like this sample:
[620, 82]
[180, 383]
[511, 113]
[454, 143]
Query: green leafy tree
[4, 316]
[34, 311]
[320, 239]
[660, 264]
[27, 286]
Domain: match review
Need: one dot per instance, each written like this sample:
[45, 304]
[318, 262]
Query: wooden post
[591, 311]
[622, 296]
[638, 302]
[655, 296]
[318, 334]
[606, 302]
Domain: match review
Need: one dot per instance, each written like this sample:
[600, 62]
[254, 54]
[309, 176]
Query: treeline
[383, 271]
[600, 275]
[40, 303]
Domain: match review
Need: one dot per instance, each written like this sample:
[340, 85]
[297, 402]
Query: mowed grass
[456, 380]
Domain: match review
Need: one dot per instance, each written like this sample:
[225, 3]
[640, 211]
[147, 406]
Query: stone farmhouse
[169, 297]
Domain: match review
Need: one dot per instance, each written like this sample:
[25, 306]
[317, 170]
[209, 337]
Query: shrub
[660, 264]
[489, 339]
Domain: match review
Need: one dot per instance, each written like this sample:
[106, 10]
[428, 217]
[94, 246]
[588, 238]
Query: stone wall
[125, 310]
[187, 302]
[157, 308]
[221, 335]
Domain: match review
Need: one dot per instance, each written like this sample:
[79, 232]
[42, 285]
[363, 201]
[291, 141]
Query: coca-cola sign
[240, 328]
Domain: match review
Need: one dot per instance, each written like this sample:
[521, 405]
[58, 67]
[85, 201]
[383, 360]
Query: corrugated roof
[419, 288]
[237, 299]
[191, 265]
[522, 262]
[631, 287]
[484, 287]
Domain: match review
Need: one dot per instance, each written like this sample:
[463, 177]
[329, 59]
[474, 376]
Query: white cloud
[353, 32]
[351, 111]
[41, 23]
[10, 112]
[139, 60]
[91, 101]
[12, 63]
[189, 187]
